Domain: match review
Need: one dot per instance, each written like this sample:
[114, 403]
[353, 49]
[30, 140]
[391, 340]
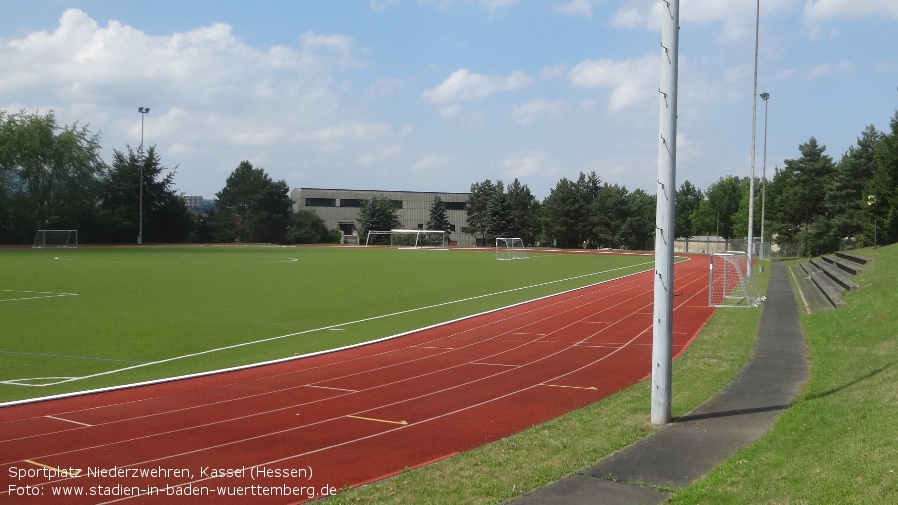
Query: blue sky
[434, 95]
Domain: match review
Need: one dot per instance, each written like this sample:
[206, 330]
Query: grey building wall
[339, 208]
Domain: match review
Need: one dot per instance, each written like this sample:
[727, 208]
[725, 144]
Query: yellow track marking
[378, 420]
[593, 388]
[67, 472]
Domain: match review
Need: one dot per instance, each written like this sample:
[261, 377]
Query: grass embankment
[561, 447]
[838, 443]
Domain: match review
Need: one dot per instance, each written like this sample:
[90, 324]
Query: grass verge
[837, 442]
[542, 454]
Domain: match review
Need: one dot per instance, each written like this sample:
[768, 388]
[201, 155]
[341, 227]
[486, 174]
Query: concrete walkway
[688, 448]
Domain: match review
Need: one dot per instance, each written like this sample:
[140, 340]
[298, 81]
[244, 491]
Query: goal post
[510, 248]
[55, 238]
[410, 239]
[728, 284]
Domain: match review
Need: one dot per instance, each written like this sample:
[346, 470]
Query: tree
[438, 218]
[688, 200]
[522, 208]
[165, 216]
[563, 213]
[608, 213]
[884, 186]
[638, 229]
[845, 195]
[49, 175]
[802, 200]
[476, 208]
[252, 207]
[378, 214]
[724, 197]
[306, 227]
[497, 223]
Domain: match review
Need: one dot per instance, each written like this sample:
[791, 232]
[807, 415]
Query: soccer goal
[510, 249]
[729, 285]
[411, 239]
[56, 238]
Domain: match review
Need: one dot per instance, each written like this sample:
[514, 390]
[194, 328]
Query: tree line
[52, 177]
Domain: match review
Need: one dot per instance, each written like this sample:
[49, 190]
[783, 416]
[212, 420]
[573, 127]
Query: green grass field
[110, 316]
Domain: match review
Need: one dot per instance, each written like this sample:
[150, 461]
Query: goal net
[410, 239]
[55, 238]
[729, 286]
[510, 249]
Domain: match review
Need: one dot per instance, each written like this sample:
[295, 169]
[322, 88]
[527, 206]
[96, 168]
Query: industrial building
[339, 208]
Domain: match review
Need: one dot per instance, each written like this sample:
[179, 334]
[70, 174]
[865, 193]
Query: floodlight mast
[754, 121]
[764, 96]
[143, 112]
[662, 323]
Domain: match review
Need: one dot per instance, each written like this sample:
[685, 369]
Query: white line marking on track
[332, 389]
[338, 325]
[68, 420]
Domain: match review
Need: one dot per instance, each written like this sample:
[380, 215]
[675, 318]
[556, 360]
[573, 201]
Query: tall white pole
[662, 327]
[754, 119]
[765, 97]
[143, 112]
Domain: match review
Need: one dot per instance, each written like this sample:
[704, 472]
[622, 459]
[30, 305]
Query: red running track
[347, 418]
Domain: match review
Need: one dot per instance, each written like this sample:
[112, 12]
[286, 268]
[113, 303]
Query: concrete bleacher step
[826, 279]
[824, 284]
[860, 260]
[835, 274]
[849, 267]
[813, 297]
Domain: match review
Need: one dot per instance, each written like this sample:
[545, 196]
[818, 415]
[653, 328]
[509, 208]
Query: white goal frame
[55, 238]
[510, 248]
[413, 239]
[728, 284]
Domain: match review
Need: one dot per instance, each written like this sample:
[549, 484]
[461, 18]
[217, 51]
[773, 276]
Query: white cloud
[534, 109]
[737, 19]
[632, 82]
[817, 12]
[430, 162]
[576, 8]
[825, 69]
[528, 165]
[821, 10]
[463, 85]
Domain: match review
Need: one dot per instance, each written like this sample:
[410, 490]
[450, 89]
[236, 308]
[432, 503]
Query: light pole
[765, 97]
[751, 184]
[143, 112]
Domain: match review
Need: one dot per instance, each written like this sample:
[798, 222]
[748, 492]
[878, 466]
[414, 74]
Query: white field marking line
[511, 317]
[281, 360]
[43, 294]
[26, 381]
[357, 439]
[321, 422]
[290, 388]
[68, 420]
[494, 364]
[580, 306]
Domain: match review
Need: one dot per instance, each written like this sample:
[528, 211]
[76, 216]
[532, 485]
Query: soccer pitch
[88, 318]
